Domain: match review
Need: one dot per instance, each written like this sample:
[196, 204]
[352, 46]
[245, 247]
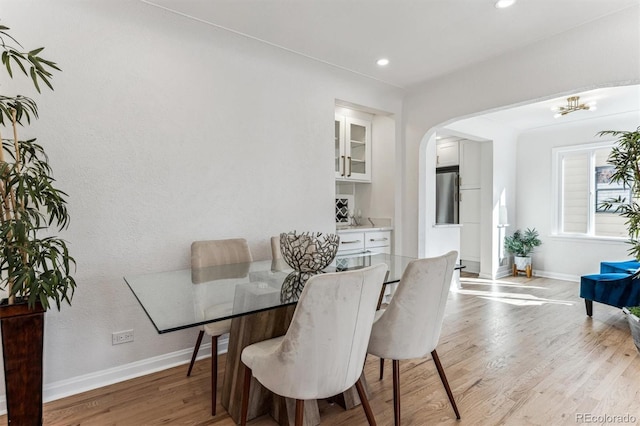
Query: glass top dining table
[176, 300]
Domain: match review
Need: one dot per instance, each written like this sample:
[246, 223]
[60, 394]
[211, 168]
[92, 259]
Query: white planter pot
[634, 325]
[522, 262]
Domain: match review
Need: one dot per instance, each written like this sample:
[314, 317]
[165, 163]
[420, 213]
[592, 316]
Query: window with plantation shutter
[575, 193]
[581, 190]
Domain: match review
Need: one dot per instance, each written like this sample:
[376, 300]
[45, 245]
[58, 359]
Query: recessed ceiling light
[501, 4]
[382, 62]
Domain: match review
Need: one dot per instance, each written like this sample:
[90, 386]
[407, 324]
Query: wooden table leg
[350, 398]
[250, 329]
[245, 331]
[283, 410]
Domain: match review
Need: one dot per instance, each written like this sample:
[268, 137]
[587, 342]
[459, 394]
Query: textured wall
[163, 130]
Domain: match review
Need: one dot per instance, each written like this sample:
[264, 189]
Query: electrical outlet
[119, 337]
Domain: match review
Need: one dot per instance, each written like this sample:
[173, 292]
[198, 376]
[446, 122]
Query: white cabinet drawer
[375, 250]
[351, 241]
[377, 239]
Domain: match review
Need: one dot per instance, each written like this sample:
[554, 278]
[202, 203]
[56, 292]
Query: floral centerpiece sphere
[308, 251]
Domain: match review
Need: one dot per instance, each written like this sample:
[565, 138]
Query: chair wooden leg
[396, 392]
[195, 352]
[380, 298]
[589, 305]
[436, 360]
[365, 403]
[381, 368]
[299, 411]
[214, 373]
[245, 396]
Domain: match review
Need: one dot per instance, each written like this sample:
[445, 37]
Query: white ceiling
[608, 101]
[423, 39]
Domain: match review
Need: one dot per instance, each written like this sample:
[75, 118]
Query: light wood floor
[517, 352]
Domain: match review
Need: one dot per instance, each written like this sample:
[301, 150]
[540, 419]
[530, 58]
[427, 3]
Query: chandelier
[573, 104]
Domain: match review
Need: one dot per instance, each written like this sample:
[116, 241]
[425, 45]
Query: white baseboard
[556, 276]
[504, 271]
[98, 379]
[507, 272]
[470, 266]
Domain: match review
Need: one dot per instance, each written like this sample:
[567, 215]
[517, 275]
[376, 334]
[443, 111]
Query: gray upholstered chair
[410, 326]
[323, 352]
[213, 253]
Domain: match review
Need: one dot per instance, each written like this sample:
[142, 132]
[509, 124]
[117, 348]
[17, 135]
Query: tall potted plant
[35, 265]
[521, 244]
[625, 158]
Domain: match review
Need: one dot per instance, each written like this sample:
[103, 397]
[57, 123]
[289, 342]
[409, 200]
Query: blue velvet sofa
[617, 284]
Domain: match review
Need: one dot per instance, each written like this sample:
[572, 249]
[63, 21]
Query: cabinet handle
[350, 242]
[350, 165]
[343, 166]
[377, 239]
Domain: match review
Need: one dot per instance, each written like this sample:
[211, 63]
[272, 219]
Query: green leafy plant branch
[625, 157]
[39, 68]
[635, 310]
[33, 268]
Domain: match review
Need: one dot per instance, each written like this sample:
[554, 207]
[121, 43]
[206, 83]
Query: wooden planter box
[22, 345]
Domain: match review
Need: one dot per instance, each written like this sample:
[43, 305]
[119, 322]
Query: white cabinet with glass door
[352, 149]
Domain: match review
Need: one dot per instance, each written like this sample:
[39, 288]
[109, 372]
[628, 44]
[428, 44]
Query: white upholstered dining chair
[410, 326]
[323, 352]
[213, 253]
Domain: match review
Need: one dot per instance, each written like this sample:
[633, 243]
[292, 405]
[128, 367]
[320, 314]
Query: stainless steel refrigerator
[447, 195]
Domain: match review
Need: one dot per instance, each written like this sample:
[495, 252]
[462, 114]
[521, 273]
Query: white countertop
[362, 228]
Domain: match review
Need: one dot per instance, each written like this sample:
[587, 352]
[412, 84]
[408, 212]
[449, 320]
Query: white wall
[560, 256]
[602, 53]
[162, 131]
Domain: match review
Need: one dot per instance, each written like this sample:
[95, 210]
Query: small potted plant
[521, 244]
[633, 316]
